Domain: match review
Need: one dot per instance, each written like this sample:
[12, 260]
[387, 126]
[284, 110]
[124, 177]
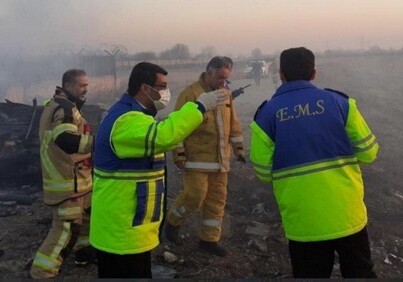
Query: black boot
[85, 256]
[213, 248]
[172, 233]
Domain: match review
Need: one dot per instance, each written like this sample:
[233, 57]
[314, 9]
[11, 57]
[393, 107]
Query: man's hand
[212, 99]
[180, 164]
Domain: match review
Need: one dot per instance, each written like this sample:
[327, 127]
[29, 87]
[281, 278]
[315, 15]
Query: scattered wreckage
[19, 144]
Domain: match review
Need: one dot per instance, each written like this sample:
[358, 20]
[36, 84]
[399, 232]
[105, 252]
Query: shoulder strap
[67, 107]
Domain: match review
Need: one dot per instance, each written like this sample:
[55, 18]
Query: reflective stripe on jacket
[309, 143]
[64, 175]
[127, 203]
[208, 148]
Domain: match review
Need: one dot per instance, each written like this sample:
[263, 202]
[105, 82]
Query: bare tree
[256, 53]
[146, 55]
[179, 51]
[208, 52]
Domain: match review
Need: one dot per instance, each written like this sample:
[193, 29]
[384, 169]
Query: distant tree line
[177, 52]
[182, 52]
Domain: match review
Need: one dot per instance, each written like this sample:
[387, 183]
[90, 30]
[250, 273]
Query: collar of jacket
[135, 105]
[61, 94]
[202, 81]
[292, 86]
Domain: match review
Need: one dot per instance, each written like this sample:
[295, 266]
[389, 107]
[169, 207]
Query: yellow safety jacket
[309, 143]
[129, 175]
[208, 148]
[65, 175]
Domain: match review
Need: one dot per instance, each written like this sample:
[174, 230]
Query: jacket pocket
[149, 195]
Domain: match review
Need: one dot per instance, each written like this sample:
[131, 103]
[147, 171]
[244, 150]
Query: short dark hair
[71, 75]
[143, 72]
[219, 62]
[297, 63]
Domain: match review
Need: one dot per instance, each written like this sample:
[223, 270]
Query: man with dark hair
[144, 73]
[66, 145]
[129, 174]
[309, 142]
[205, 158]
[297, 64]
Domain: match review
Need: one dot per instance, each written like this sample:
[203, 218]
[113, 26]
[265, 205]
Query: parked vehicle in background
[249, 68]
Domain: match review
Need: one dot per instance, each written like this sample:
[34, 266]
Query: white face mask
[163, 101]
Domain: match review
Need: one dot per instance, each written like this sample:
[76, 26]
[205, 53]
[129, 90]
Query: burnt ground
[252, 230]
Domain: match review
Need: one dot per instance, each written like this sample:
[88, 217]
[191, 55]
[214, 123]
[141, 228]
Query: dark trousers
[124, 266]
[316, 259]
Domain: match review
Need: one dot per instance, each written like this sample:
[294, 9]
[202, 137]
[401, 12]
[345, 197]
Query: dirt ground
[252, 230]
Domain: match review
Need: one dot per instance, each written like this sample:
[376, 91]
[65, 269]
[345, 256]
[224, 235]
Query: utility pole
[113, 54]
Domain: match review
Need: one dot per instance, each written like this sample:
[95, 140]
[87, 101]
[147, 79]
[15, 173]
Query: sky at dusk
[232, 27]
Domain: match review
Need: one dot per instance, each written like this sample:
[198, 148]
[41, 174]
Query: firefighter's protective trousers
[206, 191]
[69, 231]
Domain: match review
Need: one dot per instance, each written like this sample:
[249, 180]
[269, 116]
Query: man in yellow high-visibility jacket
[129, 174]
[309, 142]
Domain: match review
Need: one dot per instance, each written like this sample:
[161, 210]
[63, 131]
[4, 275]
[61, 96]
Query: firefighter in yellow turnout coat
[129, 173]
[65, 150]
[205, 157]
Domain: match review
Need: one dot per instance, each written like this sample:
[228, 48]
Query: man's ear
[313, 75]
[67, 86]
[143, 87]
[282, 76]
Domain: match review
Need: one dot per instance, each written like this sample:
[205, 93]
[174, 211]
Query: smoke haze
[236, 26]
